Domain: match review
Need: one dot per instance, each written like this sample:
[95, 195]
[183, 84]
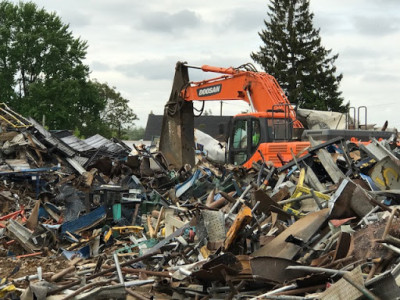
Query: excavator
[271, 132]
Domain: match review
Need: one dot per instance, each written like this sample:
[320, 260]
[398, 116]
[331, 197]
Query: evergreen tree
[293, 54]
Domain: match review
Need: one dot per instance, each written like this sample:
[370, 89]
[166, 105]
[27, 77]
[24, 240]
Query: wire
[172, 107]
[201, 110]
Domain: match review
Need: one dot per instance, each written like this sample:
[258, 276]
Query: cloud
[158, 69]
[99, 66]
[376, 25]
[381, 77]
[75, 18]
[357, 53]
[244, 19]
[165, 22]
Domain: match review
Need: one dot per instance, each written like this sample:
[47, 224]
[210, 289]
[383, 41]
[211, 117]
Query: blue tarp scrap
[85, 222]
[180, 189]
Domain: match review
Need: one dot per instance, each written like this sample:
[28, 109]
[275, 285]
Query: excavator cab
[249, 131]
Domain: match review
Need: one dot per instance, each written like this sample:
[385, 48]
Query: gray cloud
[330, 24]
[169, 22]
[377, 25]
[164, 69]
[99, 66]
[159, 69]
[381, 77]
[357, 53]
[245, 19]
[385, 3]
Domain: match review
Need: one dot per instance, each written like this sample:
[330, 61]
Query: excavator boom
[258, 89]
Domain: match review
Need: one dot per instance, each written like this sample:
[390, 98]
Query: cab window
[239, 142]
[240, 135]
[255, 138]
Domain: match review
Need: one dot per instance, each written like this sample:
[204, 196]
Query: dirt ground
[28, 266]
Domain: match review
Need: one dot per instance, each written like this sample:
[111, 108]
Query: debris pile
[84, 219]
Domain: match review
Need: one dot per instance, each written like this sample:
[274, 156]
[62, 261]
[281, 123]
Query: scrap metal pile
[84, 219]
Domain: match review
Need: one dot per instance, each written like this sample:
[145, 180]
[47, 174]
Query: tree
[293, 54]
[207, 112]
[42, 71]
[117, 114]
[135, 133]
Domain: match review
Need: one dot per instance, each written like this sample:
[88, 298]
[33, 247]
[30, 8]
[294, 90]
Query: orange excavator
[271, 131]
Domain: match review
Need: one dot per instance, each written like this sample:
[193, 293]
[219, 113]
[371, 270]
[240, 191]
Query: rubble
[85, 219]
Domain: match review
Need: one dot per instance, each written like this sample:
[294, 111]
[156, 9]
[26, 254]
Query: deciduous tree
[42, 74]
[117, 114]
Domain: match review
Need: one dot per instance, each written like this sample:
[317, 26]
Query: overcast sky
[134, 45]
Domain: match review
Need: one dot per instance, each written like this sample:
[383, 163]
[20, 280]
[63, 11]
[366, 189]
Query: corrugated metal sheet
[80, 159]
[97, 141]
[53, 140]
[77, 144]
[76, 165]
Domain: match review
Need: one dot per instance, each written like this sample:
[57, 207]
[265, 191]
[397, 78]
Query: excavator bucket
[177, 131]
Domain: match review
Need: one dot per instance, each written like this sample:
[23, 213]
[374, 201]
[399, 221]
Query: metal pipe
[255, 207]
[282, 289]
[86, 287]
[315, 269]
[117, 266]
[138, 282]
[238, 201]
[144, 271]
[316, 199]
[308, 196]
[250, 100]
[391, 247]
[389, 223]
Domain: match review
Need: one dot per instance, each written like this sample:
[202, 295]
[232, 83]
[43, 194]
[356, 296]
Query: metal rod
[86, 287]
[117, 266]
[308, 196]
[389, 223]
[391, 247]
[316, 199]
[315, 269]
[282, 289]
[238, 201]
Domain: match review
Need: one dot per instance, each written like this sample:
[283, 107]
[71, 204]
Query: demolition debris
[95, 219]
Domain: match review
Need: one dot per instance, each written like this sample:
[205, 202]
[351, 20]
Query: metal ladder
[12, 118]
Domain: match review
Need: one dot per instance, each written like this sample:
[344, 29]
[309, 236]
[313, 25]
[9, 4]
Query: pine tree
[293, 54]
